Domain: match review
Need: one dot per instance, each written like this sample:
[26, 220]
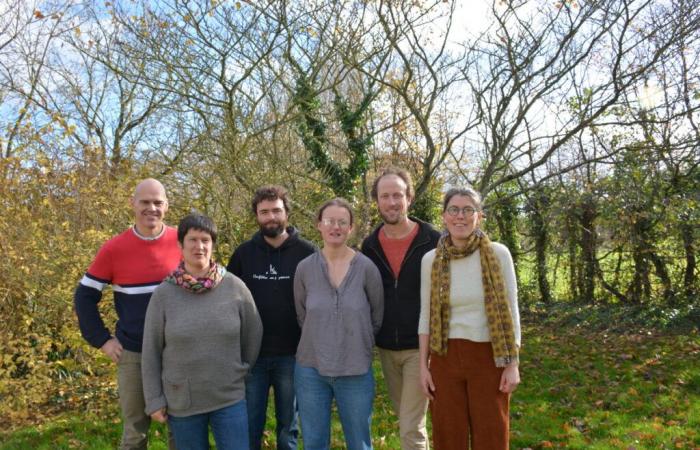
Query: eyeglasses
[467, 211]
[342, 223]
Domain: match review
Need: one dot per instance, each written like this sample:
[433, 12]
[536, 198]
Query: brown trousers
[468, 412]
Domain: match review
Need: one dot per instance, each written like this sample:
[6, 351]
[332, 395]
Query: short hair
[339, 202]
[270, 192]
[401, 173]
[462, 192]
[196, 222]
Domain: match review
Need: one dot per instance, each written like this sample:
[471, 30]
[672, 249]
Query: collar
[148, 238]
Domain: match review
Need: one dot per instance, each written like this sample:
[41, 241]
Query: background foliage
[578, 121]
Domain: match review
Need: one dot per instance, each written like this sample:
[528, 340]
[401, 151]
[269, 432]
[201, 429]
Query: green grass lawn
[579, 390]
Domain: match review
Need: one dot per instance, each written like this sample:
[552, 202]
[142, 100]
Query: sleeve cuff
[155, 404]
[99, 342]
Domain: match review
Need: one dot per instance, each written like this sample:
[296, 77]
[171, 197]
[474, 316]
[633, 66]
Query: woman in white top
[469, 331]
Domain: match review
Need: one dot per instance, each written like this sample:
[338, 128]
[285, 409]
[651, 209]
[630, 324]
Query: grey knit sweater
[197, 348]
[338, 325]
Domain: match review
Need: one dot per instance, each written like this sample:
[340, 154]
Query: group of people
[199, 345]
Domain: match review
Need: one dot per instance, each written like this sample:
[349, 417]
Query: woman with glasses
[469, 331]
[339, 301]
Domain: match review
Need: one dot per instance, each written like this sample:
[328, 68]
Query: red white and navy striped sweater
[134, 266]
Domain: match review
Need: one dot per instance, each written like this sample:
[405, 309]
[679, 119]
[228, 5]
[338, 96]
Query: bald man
[134, 263]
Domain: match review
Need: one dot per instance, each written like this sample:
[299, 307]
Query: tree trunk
[689, 277]
[589, 244]
[639, 290]
[540, 231]
[662, 273]
[572, 236]
[506, 214]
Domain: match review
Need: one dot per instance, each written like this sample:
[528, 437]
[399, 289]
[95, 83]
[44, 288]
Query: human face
[392, 200]
[150, 205]
[463, 224]
[196, 247]
[335, 226]
[271, 217]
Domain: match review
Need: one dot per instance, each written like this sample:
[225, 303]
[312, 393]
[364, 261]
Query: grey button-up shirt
[338, 325]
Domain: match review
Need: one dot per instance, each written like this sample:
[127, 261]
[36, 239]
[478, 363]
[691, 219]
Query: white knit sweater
[467, 311]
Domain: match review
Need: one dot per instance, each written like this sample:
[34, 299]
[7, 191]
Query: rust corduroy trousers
[468, 412]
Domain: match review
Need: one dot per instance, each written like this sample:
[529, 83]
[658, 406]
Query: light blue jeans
[278, 372]
[229, 426]
[353, 395]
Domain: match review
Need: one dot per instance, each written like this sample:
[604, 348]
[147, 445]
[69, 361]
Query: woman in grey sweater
[339, 300]
[202, 334]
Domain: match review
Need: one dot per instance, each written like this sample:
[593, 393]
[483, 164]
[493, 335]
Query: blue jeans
[278, 372]
[353, 395]
[229, 426]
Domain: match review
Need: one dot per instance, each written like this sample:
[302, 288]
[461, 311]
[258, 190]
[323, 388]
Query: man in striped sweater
[134, 263]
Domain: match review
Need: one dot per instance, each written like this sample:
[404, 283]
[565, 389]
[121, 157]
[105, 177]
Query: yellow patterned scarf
[497, 308]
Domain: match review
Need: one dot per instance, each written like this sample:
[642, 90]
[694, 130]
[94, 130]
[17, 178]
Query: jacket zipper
[410, 252]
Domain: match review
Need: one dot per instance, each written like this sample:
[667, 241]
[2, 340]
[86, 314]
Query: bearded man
[266, 263]
[396, 246]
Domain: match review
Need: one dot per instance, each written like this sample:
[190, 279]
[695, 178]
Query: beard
[398, 217]
[272, 229]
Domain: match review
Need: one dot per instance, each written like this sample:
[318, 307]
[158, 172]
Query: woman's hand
[426, 382]
[160, 416]
[510, 378]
